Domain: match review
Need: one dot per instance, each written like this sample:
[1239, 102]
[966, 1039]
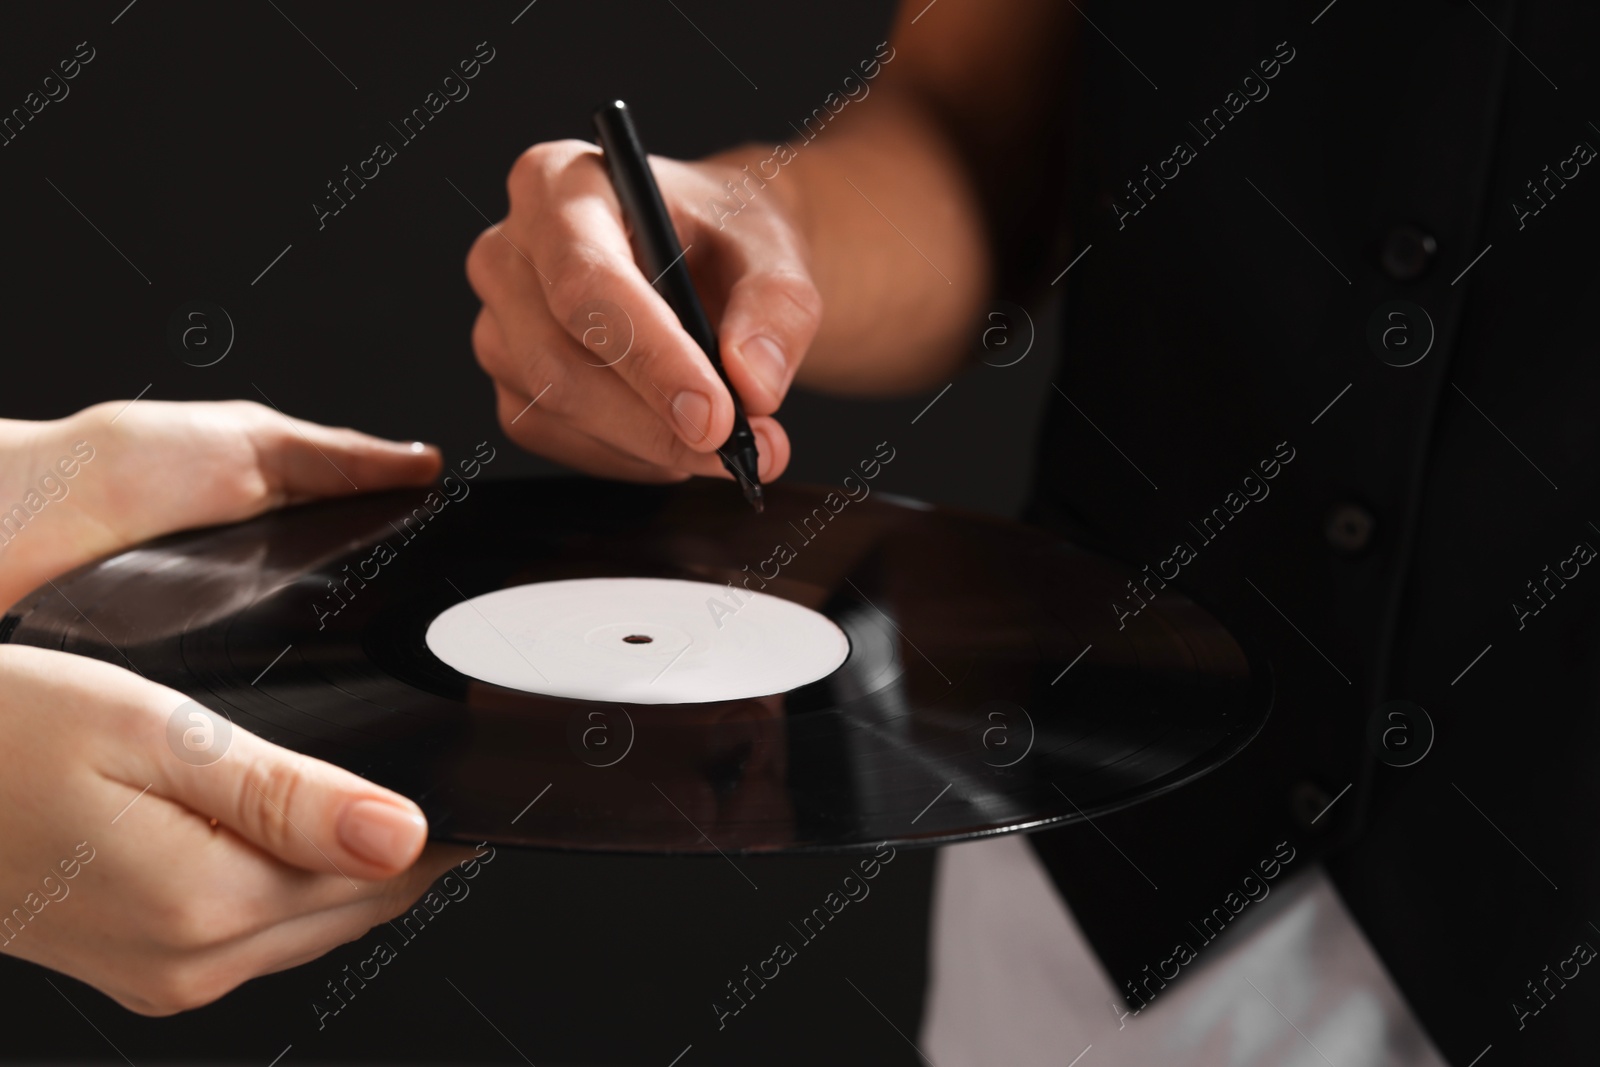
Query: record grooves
[954, 713]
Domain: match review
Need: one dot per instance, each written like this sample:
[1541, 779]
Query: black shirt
[1312, 229]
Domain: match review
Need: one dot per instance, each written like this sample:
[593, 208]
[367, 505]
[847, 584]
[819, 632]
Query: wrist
[40, 465]
[22, 443]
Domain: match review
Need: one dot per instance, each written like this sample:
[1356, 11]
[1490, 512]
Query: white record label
[638, 640]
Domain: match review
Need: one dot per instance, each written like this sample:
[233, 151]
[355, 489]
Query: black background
[195, 142]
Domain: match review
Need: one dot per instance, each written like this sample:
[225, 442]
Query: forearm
[897, 243]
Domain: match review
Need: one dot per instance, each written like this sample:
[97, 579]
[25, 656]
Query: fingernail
[692, 411]
[382, 833]
[766, 361]
[418, 447]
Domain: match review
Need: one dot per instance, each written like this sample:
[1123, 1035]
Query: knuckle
[477, 265]
[525, 381]
[507, 408]
[147, 1007]
[489, 264]
[487, 343]
[262, 429]
[802, 292]
[552, 403]
[250, 415]
[522, 423]
[266, 796]
[180, 986]
[104, 410]
[796, 289]
[247, 409]
[529, 170]
[663, 447]
[538, 165]
[656, 367]
[191, 924]
[582, 270]
[139, 724]
[138, 1005]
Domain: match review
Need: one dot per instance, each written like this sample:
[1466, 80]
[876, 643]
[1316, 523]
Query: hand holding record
[152, 849]
[114, 873]
[116, 474]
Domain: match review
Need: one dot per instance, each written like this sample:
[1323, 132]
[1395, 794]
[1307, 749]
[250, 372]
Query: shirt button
[1349, 528]
[1406, 253]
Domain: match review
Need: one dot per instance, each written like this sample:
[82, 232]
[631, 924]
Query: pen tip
[743, 465]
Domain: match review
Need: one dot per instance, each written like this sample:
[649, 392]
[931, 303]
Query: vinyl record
[581, 665]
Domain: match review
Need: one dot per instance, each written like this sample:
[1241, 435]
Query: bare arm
[946, 149]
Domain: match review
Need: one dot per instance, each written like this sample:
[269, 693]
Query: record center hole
[638, 639]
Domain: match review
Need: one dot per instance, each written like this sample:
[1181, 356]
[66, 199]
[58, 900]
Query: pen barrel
[656, 249]
[656, 245]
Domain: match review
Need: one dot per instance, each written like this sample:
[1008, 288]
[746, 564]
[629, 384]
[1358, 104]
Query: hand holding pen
[662, 258]
[592, 366]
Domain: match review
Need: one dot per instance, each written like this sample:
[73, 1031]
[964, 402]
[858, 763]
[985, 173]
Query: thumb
[305, 812]
[302, 460]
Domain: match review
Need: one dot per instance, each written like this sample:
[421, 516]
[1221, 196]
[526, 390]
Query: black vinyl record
[988, 685]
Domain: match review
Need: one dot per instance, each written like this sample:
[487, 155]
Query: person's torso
[1324, 333]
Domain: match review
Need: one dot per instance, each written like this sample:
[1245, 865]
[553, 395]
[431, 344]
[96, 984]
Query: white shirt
[1013, 981]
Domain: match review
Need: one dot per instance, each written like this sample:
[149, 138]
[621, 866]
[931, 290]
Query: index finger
[583, 243]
